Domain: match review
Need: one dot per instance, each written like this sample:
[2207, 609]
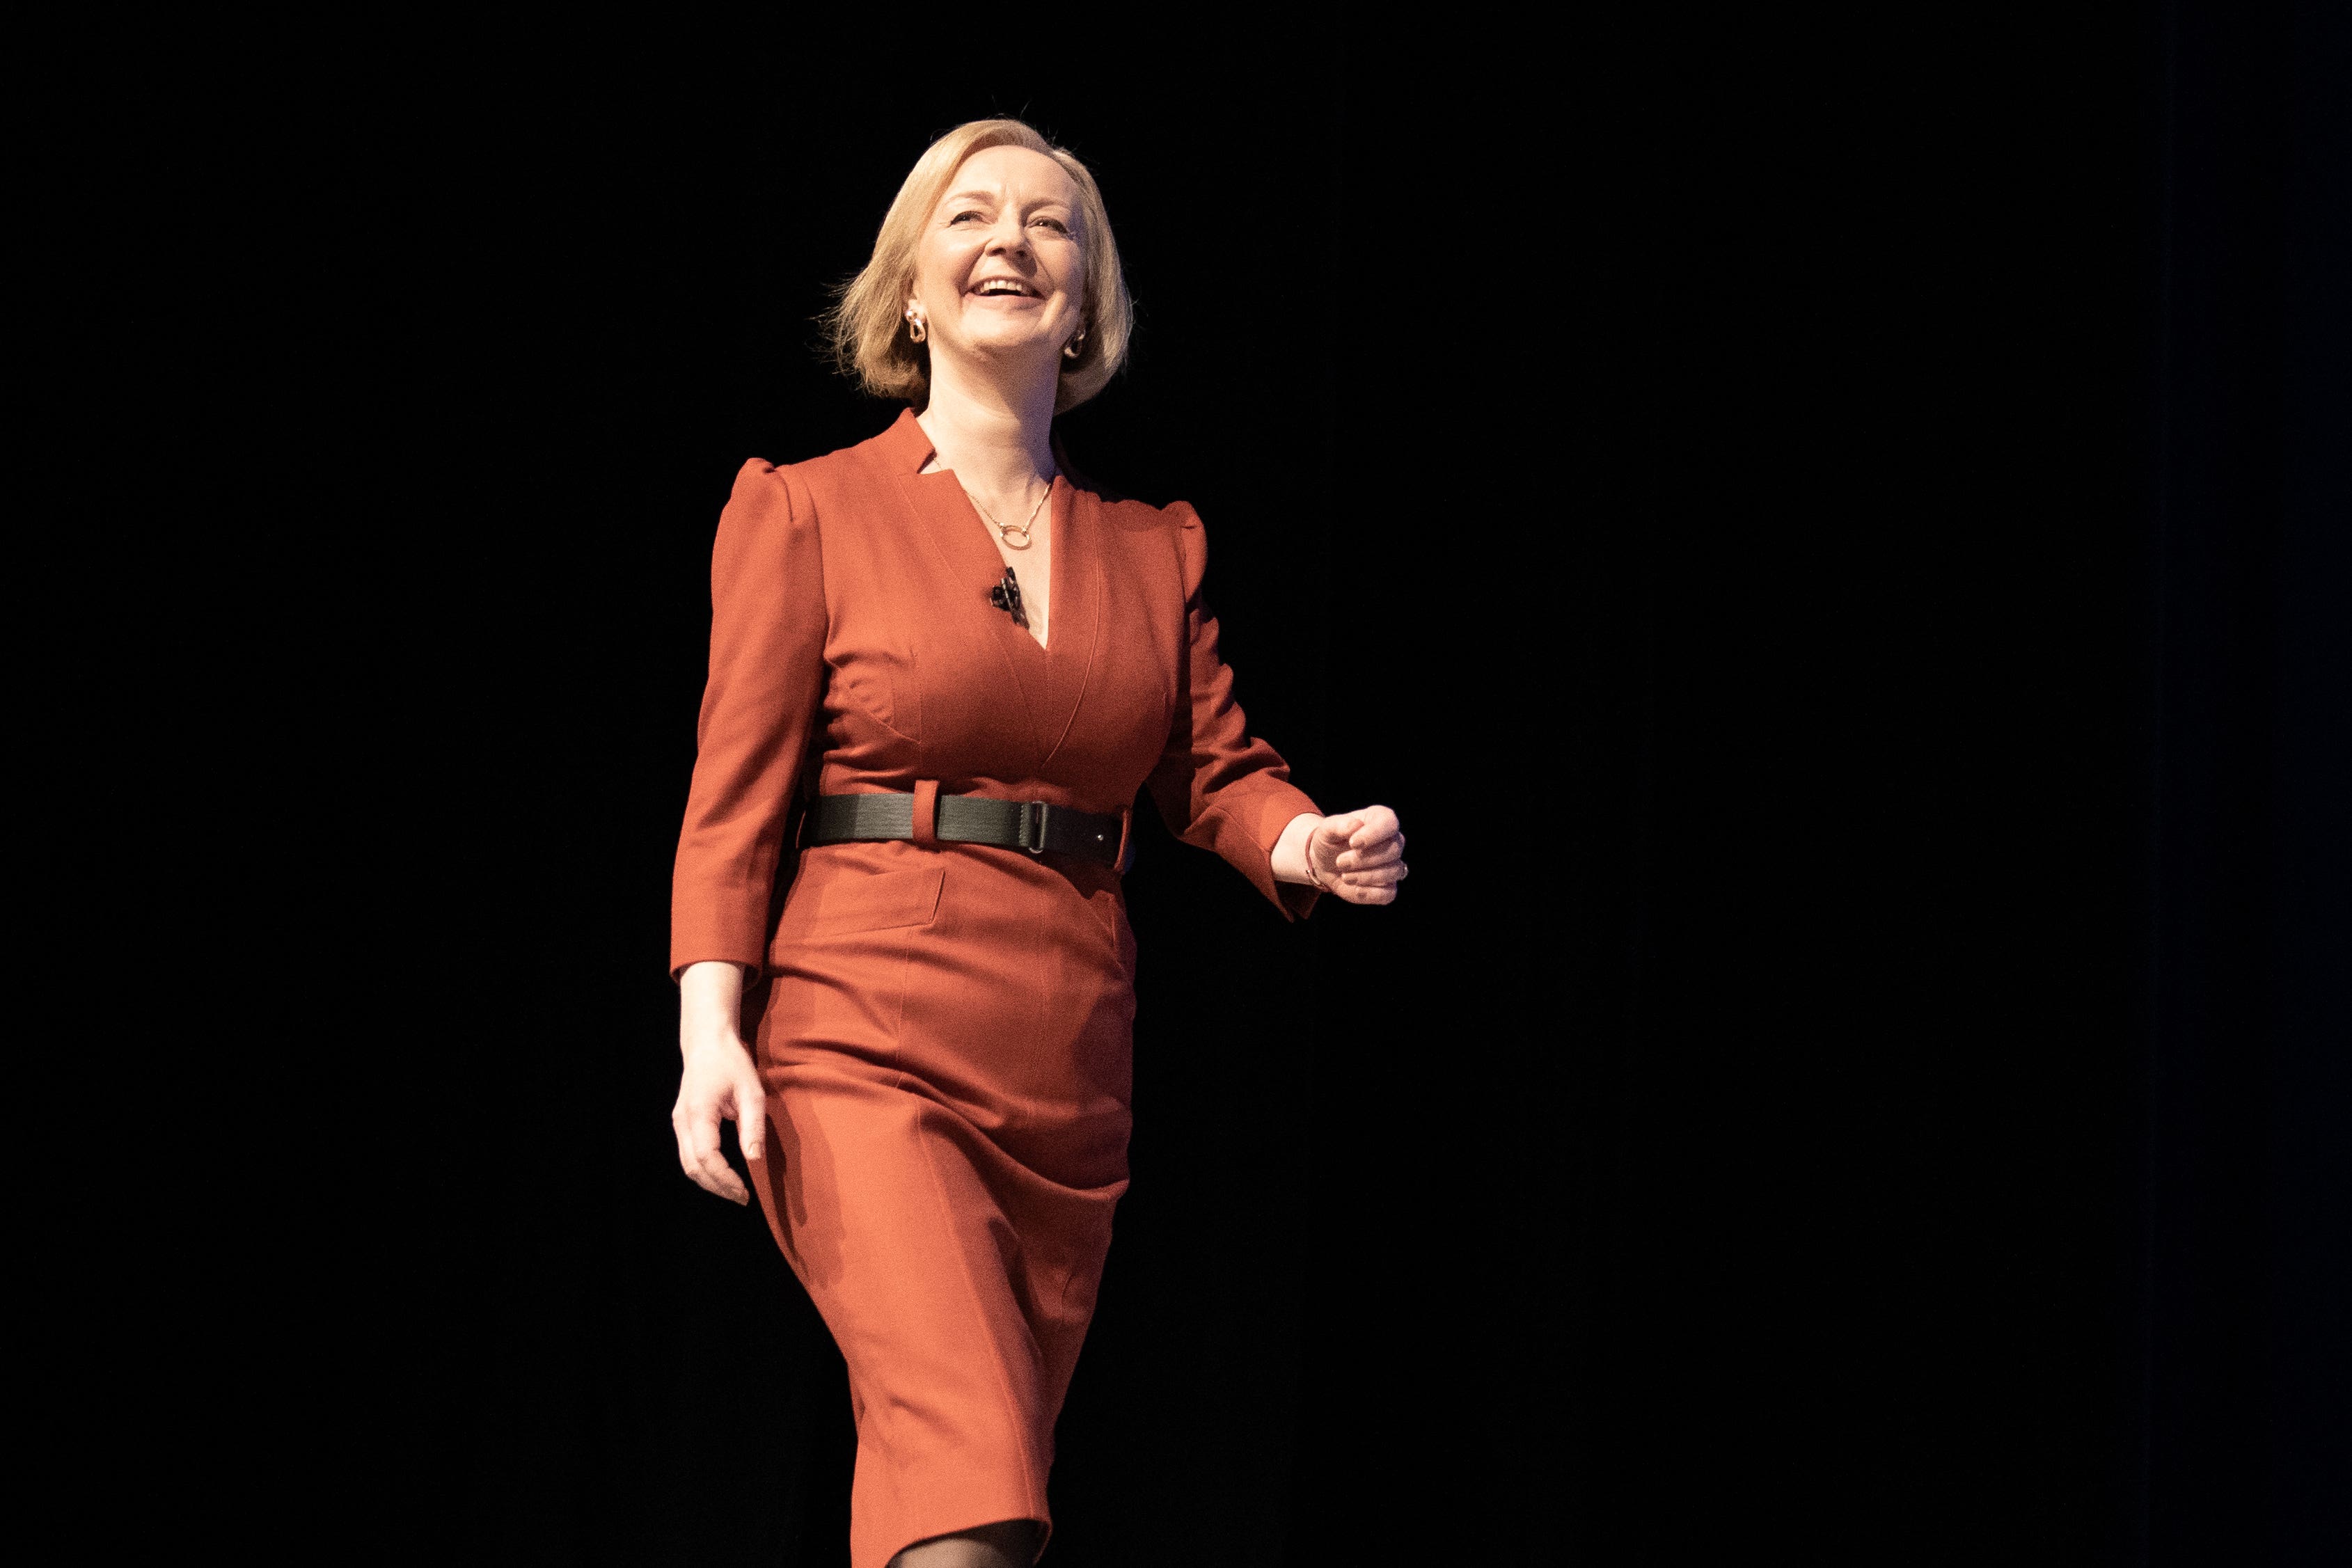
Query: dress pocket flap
[876, 901]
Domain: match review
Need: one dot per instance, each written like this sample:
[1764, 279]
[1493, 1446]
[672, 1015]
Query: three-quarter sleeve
[767, 681]
[1217, 786]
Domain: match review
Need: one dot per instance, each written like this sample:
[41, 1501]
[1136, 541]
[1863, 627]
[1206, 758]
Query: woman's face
[1000, 272]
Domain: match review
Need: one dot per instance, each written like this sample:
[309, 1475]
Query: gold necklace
[1006, 531]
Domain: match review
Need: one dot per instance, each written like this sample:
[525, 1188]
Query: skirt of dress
[947, 1045]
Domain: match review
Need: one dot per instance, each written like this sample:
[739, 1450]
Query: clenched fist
[1356, 855]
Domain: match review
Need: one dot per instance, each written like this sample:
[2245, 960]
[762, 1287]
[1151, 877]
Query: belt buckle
[1032, 826]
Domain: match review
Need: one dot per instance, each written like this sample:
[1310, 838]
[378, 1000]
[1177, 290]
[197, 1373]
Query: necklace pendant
[1006, 531]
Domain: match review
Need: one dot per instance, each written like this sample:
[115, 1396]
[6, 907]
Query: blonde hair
[867, 328]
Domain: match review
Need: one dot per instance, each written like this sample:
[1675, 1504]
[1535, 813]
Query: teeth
[1002, 286]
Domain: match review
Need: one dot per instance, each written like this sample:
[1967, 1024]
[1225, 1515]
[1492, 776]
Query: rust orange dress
[944, 1029]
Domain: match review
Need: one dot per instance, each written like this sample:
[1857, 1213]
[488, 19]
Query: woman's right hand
[719, 1081]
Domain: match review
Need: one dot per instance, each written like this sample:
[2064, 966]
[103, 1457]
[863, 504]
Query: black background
[1828, 529]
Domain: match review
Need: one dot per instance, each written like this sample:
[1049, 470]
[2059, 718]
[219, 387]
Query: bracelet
[1306, 854]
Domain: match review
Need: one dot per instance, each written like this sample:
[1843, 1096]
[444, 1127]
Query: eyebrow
[991, 195]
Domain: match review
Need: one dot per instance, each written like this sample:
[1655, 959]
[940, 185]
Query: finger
[681, 1124]
[1376, 854]
[1378, 876]
[752, 1120]
[1334, 832]
[1373, 825]
[1355, 894]
[716, 1176]
[698, 1138]
[699, 1150]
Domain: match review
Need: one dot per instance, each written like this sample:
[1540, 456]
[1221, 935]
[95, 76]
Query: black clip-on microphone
[1006, 596]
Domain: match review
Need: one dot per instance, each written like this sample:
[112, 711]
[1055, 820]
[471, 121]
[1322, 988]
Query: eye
[1054, 223]
[967, 213]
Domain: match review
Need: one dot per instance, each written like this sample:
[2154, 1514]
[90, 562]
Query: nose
[1010, 237]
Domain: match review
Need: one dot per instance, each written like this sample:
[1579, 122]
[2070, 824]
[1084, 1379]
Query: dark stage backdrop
[1719, 481]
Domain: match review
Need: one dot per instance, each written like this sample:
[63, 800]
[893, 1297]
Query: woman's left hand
[1358, 855]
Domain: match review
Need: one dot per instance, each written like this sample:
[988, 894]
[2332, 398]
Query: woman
[940, 671]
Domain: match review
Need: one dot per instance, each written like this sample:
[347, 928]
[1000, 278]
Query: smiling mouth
[1003, 289]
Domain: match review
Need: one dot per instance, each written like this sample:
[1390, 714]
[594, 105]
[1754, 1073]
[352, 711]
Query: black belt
[1032, 825]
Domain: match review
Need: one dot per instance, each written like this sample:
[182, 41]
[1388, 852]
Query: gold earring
[914, 327]
[1070, 349]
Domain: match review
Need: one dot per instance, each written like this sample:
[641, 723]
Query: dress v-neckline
[1049, 678]
[1057, 511]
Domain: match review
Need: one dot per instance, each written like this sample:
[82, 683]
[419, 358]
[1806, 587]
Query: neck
[996, 433]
